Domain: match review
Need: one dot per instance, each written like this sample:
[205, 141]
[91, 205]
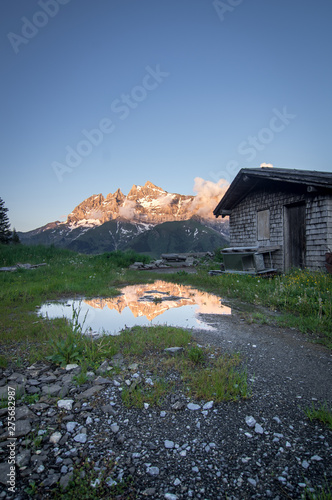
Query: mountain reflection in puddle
[143, 305]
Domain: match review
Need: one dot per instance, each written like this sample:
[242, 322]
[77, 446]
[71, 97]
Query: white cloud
[208, 196]
[266, 165]
[127, 210]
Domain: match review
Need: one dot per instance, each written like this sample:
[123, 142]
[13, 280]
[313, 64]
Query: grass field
[302, 299]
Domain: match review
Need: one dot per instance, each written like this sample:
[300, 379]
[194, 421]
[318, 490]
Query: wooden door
[295, 241]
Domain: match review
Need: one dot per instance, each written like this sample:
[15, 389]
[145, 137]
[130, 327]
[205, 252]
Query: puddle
[144, 305]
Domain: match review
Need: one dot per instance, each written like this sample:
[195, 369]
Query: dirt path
[281, 360]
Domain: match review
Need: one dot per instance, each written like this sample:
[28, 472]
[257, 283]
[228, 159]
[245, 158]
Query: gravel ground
[262, 447]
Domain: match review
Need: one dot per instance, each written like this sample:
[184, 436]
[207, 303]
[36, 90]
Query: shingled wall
[243, 224]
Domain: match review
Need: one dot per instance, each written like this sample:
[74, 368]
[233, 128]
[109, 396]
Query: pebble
[193, 406]
[66, 404]
[71, 426]
[208, 405]
[80, 438]
[250, 421]
[55, 437]
[152, 471]
[258, 429]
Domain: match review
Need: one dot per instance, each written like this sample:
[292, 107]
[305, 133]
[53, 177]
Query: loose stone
[250, 421]
[55, 437]
[208, 405]
[258, 429]
[193, 406]
[152, 471]
[80, 438]
[66, 404]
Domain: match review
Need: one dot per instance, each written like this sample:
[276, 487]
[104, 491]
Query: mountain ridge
[113, 222]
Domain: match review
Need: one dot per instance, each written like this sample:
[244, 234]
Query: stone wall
[243, 224]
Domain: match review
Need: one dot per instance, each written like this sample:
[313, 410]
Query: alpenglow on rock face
[144, 221]
[148, 203]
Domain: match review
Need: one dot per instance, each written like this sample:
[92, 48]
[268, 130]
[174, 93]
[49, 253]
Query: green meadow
[300, 299]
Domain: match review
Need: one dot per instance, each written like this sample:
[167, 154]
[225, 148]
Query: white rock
[66, 404]
[169, 444]
[71, 367]
[258, 429]
[146, 406]
[163, 414]
[55, 437]
[177, 482]
[173, 350]
[115, 428]
[71, 426]
[193, 406]
[208, 405]
[152, 471]
[149, 381]
[170, 496]
[250, 421]
[80, 438]
[316, 457]
[305, 464]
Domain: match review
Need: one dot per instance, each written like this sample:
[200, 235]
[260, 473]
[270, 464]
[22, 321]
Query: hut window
[263, 225]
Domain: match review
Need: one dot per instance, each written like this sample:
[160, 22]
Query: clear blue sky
[177, 88]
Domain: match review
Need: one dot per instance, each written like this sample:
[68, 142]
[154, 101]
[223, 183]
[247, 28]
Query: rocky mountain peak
[144, 204]
[118, 196]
